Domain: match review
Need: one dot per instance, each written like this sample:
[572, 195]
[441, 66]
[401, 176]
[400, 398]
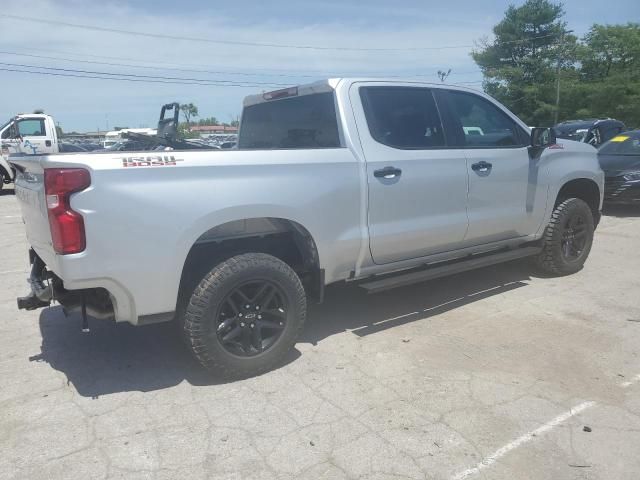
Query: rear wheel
[245, 315]
[567, 239]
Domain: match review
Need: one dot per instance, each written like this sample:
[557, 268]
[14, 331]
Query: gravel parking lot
[490, 374]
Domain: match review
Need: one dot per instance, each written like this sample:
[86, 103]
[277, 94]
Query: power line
[124, 79]
[281, 73]
[220, 72]
[128, 65]
[240, 43]
[160, 62]
[146, 78]
[132, 75]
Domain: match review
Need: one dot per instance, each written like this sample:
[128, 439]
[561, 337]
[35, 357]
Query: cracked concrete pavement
[472, 376]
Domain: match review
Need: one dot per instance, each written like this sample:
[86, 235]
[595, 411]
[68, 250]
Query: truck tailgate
[29, 185]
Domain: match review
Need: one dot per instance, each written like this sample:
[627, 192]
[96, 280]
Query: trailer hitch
[41, 293]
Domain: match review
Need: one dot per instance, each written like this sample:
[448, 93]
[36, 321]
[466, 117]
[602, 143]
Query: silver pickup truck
[379, 182]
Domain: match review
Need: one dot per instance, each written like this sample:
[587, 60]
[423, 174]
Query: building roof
[212, 128]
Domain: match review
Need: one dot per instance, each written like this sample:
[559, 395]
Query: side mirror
[542, 137]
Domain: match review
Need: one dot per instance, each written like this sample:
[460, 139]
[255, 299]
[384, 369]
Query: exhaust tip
[31, 302]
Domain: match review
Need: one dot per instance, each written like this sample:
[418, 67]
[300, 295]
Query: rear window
[308, 121]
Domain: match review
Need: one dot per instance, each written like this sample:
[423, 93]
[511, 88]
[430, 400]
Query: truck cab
[27, 134]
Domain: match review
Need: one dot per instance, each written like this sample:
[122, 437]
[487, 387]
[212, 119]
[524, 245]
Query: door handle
[47, 143]
[481, 167]
[387, 172]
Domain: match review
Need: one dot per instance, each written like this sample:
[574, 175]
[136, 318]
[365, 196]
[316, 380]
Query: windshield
[622, 145]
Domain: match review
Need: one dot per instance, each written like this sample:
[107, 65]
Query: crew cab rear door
[417, 184]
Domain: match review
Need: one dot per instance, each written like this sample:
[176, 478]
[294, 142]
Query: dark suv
[592, 131]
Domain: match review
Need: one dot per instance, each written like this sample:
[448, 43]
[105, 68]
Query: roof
[330, 84]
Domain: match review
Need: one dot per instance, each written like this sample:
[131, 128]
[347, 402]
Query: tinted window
[482, 123]
[403, 117]
[31, 128]
[308, 121]
[608, 133]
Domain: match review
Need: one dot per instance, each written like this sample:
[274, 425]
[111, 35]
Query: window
[482, 123]
[624, 144]
[31, 128]
[308, 121]
[403, 117]
[607, 133]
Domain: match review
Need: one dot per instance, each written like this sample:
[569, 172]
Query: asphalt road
[492, 374]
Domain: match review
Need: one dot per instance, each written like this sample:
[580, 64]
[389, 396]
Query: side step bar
[458, 266]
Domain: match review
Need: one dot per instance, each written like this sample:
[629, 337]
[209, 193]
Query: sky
[220, 48]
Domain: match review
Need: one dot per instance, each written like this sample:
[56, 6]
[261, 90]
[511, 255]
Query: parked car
[352, 180]
[90, 147]
[128, 146]
[592, 131]
[65, 147]
[620, 160]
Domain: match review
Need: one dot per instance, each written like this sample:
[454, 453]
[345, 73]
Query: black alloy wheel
[251, 318]
[574, 236]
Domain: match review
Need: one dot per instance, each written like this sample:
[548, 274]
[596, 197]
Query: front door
[507, 192]
[417, 184]
[34, 138]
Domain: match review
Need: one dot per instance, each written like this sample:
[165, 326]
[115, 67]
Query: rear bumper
[46, 287]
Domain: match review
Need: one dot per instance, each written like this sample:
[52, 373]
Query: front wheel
[245, 315]
[567, 239]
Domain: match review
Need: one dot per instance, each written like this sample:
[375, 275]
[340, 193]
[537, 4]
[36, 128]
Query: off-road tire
[206, 301]
[551, 260]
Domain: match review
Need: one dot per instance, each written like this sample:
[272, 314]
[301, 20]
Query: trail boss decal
[151, 161]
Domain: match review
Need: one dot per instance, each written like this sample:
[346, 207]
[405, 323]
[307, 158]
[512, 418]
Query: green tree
[184, 131]
[611, 50]
[519, 66]
[608, 84]
[208, 121]
[189, 110]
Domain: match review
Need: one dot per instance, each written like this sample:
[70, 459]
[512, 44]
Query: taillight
[67, 226]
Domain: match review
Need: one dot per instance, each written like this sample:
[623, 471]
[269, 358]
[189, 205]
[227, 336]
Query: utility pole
[558, 64]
